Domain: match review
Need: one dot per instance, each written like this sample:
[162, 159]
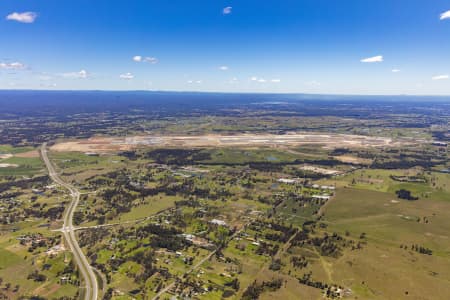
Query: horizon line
[225, 93]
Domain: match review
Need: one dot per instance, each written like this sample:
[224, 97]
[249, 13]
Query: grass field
[25, 166]
[226, 187]
[382, 270]
[16, 263]
[8, 258]
[155, 204]
[5, 149]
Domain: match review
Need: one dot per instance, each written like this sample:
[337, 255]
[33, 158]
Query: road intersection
[87, 272]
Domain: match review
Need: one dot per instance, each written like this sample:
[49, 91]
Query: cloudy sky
[301, 46]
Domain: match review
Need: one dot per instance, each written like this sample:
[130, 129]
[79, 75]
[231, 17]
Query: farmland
[241, 201]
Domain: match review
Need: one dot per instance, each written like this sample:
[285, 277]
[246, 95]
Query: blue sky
[314, 46]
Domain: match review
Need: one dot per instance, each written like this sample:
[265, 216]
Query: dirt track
[107, 144]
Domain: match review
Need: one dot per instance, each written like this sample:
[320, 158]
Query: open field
[285, 202]
[21, 166]
[255, 201]
[19, 161]
[102, 144]
[384, 270]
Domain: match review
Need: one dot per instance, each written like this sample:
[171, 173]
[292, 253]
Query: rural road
[86, 270]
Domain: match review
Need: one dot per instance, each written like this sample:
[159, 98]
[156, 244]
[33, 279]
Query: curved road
[86, 270]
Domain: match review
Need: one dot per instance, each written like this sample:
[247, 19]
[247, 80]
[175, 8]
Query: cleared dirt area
[353, 160]
[9, 166]
[29, 154]
[320, 170]
[106, 144]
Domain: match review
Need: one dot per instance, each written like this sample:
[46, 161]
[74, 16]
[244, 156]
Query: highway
[86, 271]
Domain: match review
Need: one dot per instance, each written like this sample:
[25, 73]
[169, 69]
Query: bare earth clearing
[29, 154]
[352, 159]
[9, 165]
[320, 170]
[105, 144]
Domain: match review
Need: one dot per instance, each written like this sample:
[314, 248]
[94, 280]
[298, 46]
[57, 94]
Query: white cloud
[233, 80]
[12, 66]
[126, 76]
[83, 74]
[45, 77]
[396, 70]
[48, 85]
[374, 59]
[152, 60]
[313, 83]
[227, 10]
[195, 81]
[224, 68]
[147, 59]
[257, 79]
[25, 17]
[263, 80]
[440, 77]
[445, 15]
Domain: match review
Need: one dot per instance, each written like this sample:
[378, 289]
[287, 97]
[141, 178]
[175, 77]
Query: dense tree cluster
[254, 290]
[178, 156]
[29, 183]
[406, 195]
[36, 276]
[299, 262]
